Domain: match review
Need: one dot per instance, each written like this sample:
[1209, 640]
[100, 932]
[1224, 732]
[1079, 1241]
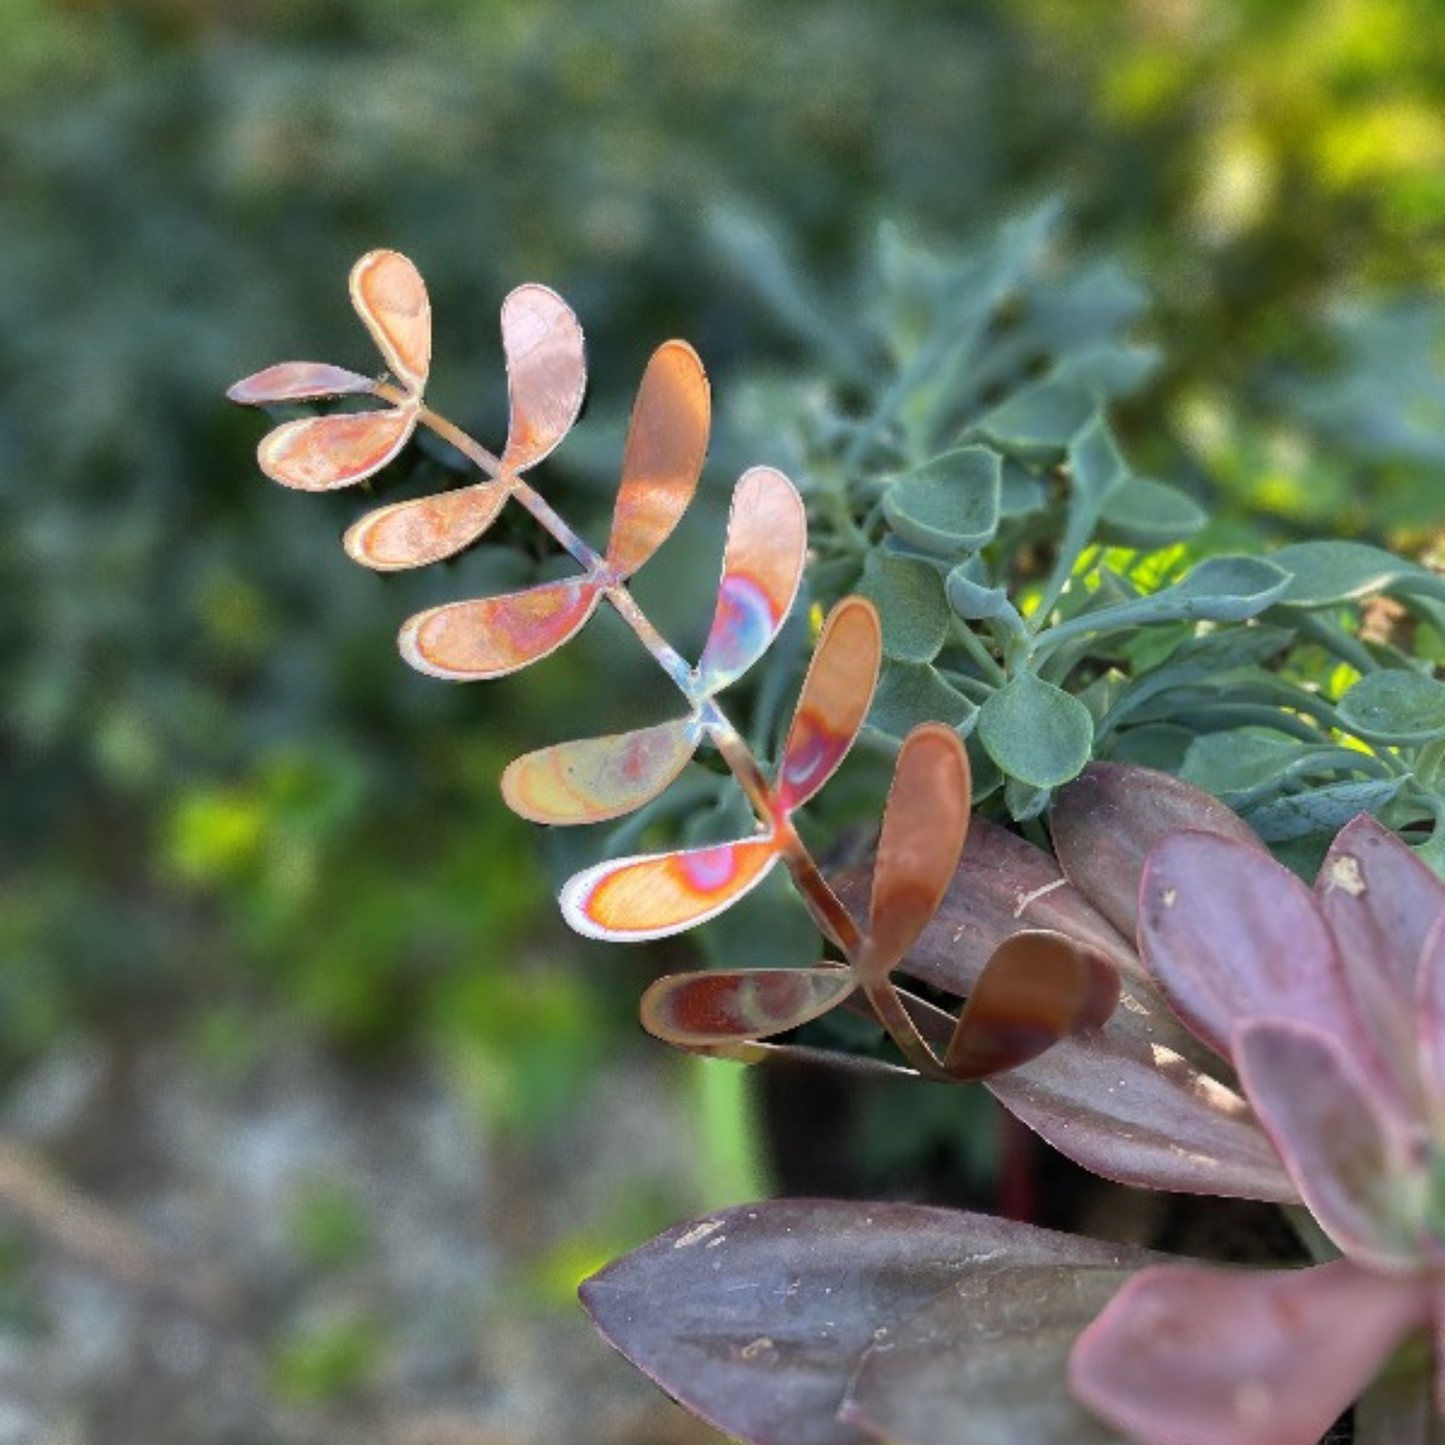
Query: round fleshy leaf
[1200, 1356]
[492, 636]
[924, 824]
[426, 529]
[298, 381]
[1431, 1015]
[1037, 989]
[1141, 512]
[390, 297]
[1036, 732]
[834, 701]
[595, 779]
[688, 1009]
[1347, 1150]
[1326, 572]
[322, 453]
[546, 373]
[666, 444]
[909, 596]
[950, 505]
[767, 544]
[632, 899]
[1395, 705]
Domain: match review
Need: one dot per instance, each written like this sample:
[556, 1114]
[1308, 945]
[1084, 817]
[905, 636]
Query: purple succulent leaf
[755, 1318]
[1106, 821]
[1380, 901]
[1124, 1103]
[1431, 1016]
[1399, 1408]
[1349, 1153]
[1188, 1355]
[1230, 934]
[986, 1361]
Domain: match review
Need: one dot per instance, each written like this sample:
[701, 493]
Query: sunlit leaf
[390, 297]
[1038, 988]
[546, 373]
[666, 444]
[426, 529]
[767, 544]
[700, 1008]
[320, 453]
[834, 700]
[298, 381]
[495, 635]
[599, 778]
[924, 824]
[651, 897]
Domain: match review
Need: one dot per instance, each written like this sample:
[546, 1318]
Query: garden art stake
[1273, 1043]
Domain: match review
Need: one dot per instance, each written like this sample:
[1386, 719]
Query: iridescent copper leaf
[834, 700]
[924, 825]
[666, 444]
[767, 544]
[1037, 988]
[546, 373]
[298, 381]
[651, 897]
[390, 297]
[491, 636]
[598, 778]
[426, 529]
[686, 1009]
[321, 453]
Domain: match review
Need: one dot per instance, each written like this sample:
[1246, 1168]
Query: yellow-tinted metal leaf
[390, 297]
[492, 636]
[688, 1009]
[1038, 988]
[767, 545]
[546, 373]
[834, 701]
[924, 825]
[598, 778]
[321, 453]
[632, 899]
[411, 534]
[666, 444]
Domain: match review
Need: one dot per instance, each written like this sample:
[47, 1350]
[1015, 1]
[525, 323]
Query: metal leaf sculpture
[1038, 987]
[318, 454]
[595, 779]
[666, 443]
[546, 380]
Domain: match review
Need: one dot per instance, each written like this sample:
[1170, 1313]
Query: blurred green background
[248, 855]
